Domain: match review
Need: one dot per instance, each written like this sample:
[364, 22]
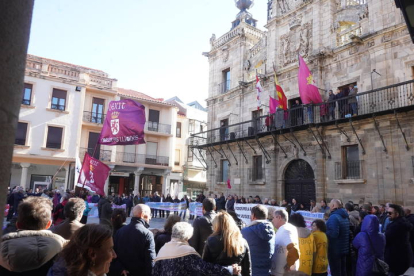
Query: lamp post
[407, 8]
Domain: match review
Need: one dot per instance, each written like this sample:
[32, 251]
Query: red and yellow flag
[280, 95]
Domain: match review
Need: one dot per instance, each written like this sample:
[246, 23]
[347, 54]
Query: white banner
[243, 211]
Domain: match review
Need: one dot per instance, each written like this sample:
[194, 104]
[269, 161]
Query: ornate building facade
[360, 156]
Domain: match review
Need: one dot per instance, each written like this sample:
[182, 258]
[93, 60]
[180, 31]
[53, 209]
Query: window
[153, 120]
[58, 99]
[21, 134]
[190, 155]
[27, 94]
[226, 81]
[54, 137]
[256, 121]
[97, 110]
[350, 162]
[201, 128]
[178, 130]
[224, 175]
[177, 158]
[151, 157]
[224, 130]
[257, 168]
[191, 126]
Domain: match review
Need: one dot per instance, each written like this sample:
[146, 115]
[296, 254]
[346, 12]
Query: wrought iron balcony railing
[157, 127]
[385, 100]
[348, 170]
[132, 158]
[224, 87]
[102, 155]
[93, 117]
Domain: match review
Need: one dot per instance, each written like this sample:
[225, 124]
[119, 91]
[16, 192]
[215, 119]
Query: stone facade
[343, 42]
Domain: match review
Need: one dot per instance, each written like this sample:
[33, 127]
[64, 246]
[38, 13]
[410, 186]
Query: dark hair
[260, 212]
[170, 222]
[376, 209]
[118, 218]
[74, 208]
[209, 204]
[324, 201]
[34, 213]
[362, 215]
[349, 207]
[75, 253]
[320, 224]
[297, 220]
[396, 207]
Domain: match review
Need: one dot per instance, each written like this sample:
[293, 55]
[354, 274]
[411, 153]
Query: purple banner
[124, 124]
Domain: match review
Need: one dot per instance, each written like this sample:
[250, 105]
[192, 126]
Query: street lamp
[407, 8]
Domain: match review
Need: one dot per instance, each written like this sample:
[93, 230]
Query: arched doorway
[300, 182]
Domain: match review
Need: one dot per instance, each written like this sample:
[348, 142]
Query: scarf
[175, 249]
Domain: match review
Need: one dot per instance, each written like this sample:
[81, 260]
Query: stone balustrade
[343, 38]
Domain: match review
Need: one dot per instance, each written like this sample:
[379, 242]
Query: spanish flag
[280, 95]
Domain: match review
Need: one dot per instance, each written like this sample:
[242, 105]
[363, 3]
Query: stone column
[165, 178]
[137, 174]
[15, 21]
[23, 178]
[67, 178]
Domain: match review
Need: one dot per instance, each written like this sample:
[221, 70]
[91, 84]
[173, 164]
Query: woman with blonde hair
[226, 246]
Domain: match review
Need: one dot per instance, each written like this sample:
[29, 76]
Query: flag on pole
[124, 124]
[80, 174]
[273, 104]
[308, 91]
[259, 90]
[280, 95]
[228, 183]
[95, 174]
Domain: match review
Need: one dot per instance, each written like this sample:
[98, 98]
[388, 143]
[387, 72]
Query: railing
[66, 73]
[58, 107]
[355, 2]
[100, 81]
[133, 158]
[345, 36]
[348, 170]
[102, 155]
[224, 87]
[157, 127]
[379, 101]
[93, 117]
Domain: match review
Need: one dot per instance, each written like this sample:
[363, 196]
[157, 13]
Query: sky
[151, 46]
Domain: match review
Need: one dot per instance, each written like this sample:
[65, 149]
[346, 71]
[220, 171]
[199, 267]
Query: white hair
[282, 213]
[182, 231]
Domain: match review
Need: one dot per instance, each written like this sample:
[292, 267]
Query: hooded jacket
[203, 228]
[29, 252]
[369, 235]
[398, 252]
[338, 233]
[354, 218]
[307, 249]
[320, 259]
[260, 237]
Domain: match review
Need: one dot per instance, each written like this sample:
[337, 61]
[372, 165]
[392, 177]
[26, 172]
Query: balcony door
[92, 142]
[129, 154]
[154, 119]
[151, 157]
[97, 110]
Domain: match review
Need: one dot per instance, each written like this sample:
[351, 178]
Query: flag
[308, 91]
[124, 124]
[79, 174]
[95, 173]
[273, 104]
[280, 95]
[259, 90]
[228, 183]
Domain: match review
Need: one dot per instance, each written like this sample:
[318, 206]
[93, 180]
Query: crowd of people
[49, 238]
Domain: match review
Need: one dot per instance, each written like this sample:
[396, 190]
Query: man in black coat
[410, 218]
[203, 226]
[134, 245]
[221, 202]
[398, 251]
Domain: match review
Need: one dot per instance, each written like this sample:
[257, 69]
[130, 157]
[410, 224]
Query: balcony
[102, 155]
[133, 158]
[224, 87]
[157, 127]
[348, 170]
[93, 117]
[398, 97]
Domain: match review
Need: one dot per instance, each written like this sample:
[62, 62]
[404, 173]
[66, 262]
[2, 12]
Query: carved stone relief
[286, 6]
[298, 40]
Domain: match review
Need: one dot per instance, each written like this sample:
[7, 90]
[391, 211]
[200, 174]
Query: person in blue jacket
[338, 238]
[370, 245]
[260, 237]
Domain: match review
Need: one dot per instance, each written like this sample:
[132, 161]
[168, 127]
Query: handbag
[379, 267]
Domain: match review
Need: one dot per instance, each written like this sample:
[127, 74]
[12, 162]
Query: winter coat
[307, 250]
[398, 252]
[214, 253]
[295, 207]
[221, 203]
[135, 249]
[106, 214]
[138, 200]
[352, 94]
[128, 202]
[260, 237]
[230, 204]
[17, 198]
[354, 218]
[203, 228]
[58, 214]
[338, 233]
[320, 259]
[101, 202]
[161, 238]
[368, 239]
[59, 268]
[29, 252]
[410, 218]
[67, 228]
